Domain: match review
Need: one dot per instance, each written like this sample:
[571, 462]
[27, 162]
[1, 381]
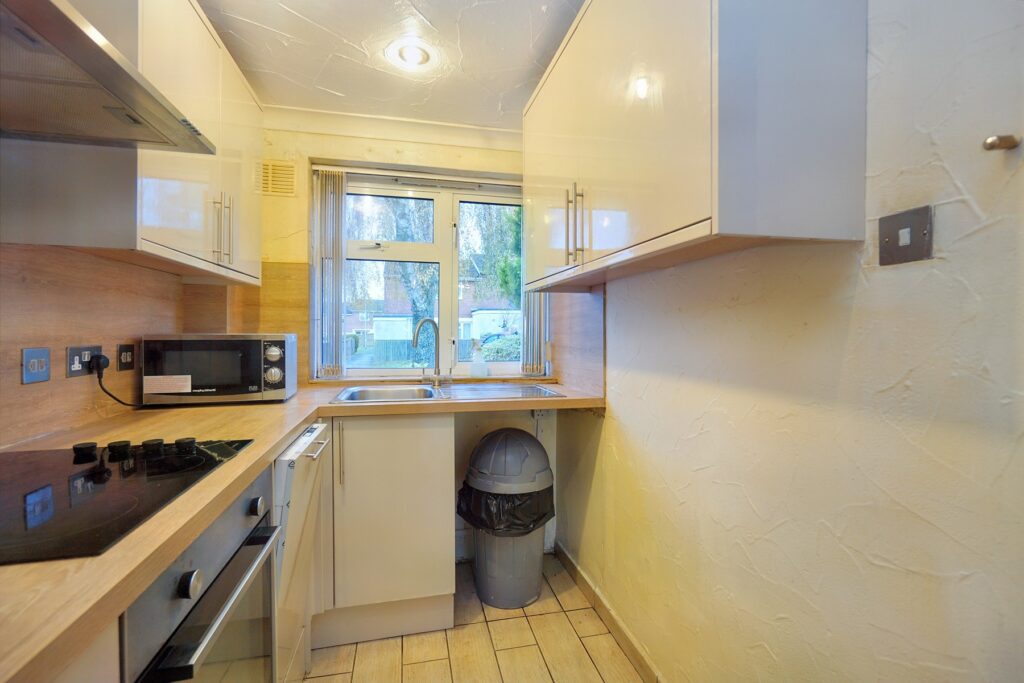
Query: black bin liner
[506, 514]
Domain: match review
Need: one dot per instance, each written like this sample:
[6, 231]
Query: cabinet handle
[316, 454]
[1001, 142]
[218, 239]
[229, 252]
[580, 224]
[567, 202]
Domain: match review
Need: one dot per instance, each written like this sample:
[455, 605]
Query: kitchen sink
[388, 392]
[488, 390]
[455, 392]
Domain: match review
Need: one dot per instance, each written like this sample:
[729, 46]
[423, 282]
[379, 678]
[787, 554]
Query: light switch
[905, 237]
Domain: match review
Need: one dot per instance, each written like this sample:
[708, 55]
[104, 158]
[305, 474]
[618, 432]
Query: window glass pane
[490, 282]
[388, 219]
[384, 300]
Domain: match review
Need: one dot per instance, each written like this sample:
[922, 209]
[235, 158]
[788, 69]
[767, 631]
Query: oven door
[229, 635]
[198, 370]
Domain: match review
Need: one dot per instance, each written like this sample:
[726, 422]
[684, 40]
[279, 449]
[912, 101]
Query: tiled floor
[558, 638]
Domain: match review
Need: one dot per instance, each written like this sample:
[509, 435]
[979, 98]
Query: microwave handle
[183, 662]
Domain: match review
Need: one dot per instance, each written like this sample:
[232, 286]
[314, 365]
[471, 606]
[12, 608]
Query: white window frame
[443, 251]
[494, 368]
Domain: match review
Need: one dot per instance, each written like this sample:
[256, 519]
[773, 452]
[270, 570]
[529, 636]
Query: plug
[98, 363]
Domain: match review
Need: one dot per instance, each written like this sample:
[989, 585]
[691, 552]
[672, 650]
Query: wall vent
[277, 178]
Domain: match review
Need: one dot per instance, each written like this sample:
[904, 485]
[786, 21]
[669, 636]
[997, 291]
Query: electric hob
[74, 503]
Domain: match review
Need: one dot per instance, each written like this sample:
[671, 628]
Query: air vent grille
[278, 178]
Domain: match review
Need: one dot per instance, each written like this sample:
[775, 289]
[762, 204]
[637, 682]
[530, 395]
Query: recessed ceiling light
[410, 53]
[641, 86]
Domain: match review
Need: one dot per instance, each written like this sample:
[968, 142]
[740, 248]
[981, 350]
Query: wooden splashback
[576, 332]
[57, 297]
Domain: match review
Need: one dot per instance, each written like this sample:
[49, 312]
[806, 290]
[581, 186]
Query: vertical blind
[325, 259]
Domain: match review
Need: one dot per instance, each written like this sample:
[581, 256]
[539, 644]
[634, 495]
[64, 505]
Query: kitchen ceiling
[484, 57]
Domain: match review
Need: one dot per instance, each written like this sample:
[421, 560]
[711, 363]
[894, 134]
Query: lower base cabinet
[393, 487]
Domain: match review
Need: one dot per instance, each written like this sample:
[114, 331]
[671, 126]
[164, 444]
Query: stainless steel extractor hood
[61, 80]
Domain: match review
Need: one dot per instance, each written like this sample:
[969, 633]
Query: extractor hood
[62, 81]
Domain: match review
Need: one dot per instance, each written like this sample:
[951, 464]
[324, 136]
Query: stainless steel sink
[486, 390]
[388, 392]
[456, 392]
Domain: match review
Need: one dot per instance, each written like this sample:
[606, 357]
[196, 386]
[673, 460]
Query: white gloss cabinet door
[239, 152]
[645, 166]
[551, 151]
[393, 517]
[179, 195]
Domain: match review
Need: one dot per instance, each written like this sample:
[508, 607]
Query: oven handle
[183, 663]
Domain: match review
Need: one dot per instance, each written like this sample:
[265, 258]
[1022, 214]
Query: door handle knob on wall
[1001, 142]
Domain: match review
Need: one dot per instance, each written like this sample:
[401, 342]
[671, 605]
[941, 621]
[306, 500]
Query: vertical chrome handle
[229, 251]
[218, 238]
[577, 211]
[567, 202]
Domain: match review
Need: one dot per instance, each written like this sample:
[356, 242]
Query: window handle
[374, 245]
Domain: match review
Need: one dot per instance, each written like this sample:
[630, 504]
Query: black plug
[98, 363]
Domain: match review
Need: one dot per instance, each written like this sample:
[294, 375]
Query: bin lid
[509, 461]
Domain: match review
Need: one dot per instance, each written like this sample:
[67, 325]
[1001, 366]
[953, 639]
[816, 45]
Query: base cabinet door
[393, 517]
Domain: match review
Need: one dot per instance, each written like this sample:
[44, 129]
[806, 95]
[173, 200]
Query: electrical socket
[35, 365]
[78, 359]
[125, 357]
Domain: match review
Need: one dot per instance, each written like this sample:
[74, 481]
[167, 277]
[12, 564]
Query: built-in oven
[212, 615]
[218, 368]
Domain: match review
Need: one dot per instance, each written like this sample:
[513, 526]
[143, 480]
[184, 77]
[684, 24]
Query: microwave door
[229, 635]
[211, 368]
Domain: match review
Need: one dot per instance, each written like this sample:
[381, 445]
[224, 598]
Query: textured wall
[812, 468]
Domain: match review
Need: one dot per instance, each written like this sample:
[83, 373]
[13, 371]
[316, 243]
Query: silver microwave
[218, 368]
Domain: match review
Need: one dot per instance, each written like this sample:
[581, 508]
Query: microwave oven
[218, 368]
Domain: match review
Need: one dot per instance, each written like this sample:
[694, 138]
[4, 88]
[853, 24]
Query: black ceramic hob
[78, 502]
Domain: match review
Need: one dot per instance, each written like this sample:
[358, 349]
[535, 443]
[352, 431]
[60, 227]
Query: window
[409, 250]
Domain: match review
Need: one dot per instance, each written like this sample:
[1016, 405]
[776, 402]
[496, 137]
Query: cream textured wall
[314, 134]
[811, 467]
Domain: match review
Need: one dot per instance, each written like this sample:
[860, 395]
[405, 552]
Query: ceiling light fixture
[641, 86]
[410, 53]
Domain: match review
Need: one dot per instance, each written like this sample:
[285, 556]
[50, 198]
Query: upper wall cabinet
[198, 214]
[670, 130]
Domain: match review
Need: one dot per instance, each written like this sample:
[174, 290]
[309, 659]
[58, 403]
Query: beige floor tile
[509, 633]
[568, 593]
[496, 613]
[471, 655]
[467, 605]
[545, 604]
[523, 665]
[425, 647]
[334, 678]
[563, 652]
[378, 661]
[437, 671]
[586, 622]
[611, 661]
[332, 660]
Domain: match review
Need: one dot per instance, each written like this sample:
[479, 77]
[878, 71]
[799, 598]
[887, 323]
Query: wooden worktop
[50, 611]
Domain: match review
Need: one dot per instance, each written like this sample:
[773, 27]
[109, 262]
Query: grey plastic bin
[508, 497]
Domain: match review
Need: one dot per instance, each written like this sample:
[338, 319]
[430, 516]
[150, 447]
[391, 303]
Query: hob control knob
[185, 446]
[153, 448]
[119, 450]
[84, 452]
[190, 585]
[273, 353]
[257, 507]
[273, 375]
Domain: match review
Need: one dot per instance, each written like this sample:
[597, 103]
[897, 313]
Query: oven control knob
[273, 375]
[118, 451]
[190, 585]
[84, 452]
[257, 507]
[273, 353]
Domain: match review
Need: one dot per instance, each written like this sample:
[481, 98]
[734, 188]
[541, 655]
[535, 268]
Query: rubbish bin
[507, 497]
